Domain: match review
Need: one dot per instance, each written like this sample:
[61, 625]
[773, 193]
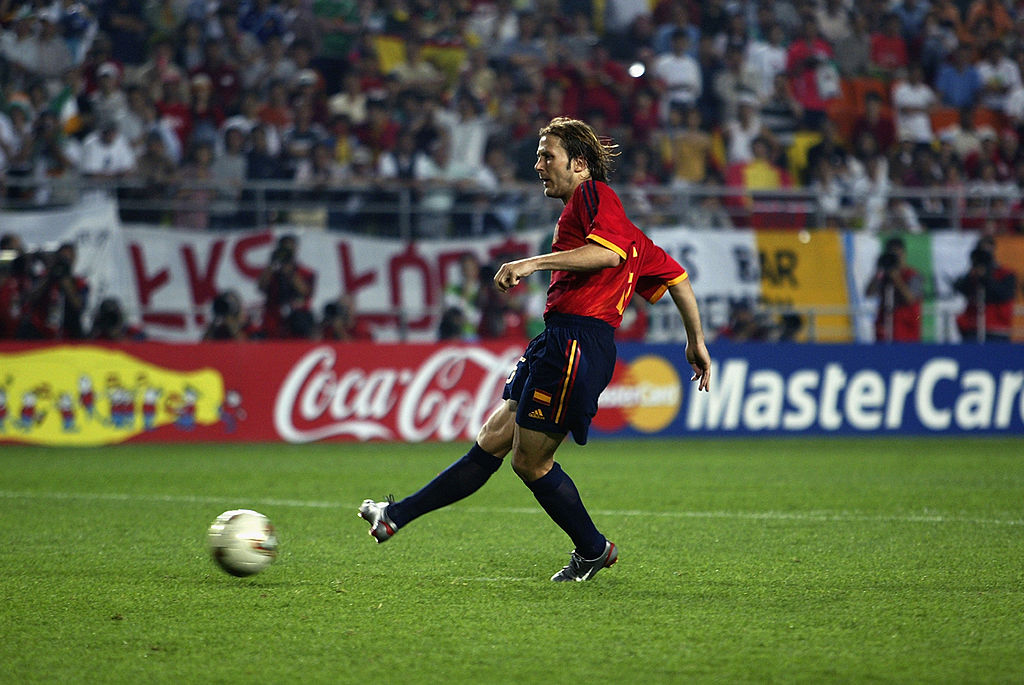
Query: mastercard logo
[644, 393]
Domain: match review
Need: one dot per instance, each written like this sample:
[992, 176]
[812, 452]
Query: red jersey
[595, 214]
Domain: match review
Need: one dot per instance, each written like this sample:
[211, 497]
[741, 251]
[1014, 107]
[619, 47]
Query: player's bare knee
[528, 467]
[495, 436]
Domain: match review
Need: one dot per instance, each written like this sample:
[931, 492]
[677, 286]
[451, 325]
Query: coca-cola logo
[447, 396]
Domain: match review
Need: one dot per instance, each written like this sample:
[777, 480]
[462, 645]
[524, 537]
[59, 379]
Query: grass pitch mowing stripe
[742, 561]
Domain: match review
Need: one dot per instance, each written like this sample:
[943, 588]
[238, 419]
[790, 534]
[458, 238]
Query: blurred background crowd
[880, 115]
[900, 114]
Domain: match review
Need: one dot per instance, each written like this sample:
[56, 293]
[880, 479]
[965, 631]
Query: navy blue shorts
[562, 373]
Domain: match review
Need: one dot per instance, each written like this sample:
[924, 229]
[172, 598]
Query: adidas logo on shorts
[536, 414]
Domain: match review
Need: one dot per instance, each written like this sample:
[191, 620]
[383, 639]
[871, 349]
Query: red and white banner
[177, 274]
[296, 392]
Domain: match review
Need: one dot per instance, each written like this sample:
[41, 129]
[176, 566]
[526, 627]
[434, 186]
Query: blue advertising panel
[800, 389]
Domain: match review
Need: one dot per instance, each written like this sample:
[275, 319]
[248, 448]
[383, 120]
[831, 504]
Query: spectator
[989, 289]
[14, 283]
[55, 302]
[734, 83]
[999, 77]
[53, 57]
[830, 150]
[685, 147]
[888, 48]
[745, 325]
[351, 101]
[380, 132]
[229, 321]
[853, 53]
[767, 59]
[899, 289]
[679, 73]
[938, 41]
[261, 165]
[225, 82]
[109, 101]
[158, 174]
[813, 75]
[958, 81]
[710, 66]
[911, 14]
[739, 133]
[678, 19]
[464, 296]
[19, 47]
[340, 323]
[106, 154]
[302, 136]
[913, 101]
[174, 108]
[833, 19]
[190, 52]
[241, 48]
[227, 171]
[125, 23]
[204, 113]
[271, 64]
[196, 192]
[992, 11]
[417, 73]
[109, 324]
[754, 177]
[287, 287]
[338, 25]
[876, 123]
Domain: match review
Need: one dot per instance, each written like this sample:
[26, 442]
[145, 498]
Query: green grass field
[800, 561]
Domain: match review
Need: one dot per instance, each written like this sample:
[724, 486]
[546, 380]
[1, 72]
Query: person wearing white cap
[53, 57]
[109, 100]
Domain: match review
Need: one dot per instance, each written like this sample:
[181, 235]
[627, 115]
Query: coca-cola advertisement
[296, 392]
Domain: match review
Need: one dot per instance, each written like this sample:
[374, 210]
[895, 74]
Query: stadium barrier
[305, 392]
[166, 279]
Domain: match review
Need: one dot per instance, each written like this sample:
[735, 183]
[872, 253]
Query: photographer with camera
[230, 321]
[109, 323]
[989, 289]
[13, 283]
[288, 287]
[54, 305]
[898, 287]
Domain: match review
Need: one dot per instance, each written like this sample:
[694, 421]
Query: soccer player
[598, 260]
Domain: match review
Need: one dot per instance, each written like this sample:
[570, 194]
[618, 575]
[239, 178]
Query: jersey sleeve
[605, 218]
[657, 273]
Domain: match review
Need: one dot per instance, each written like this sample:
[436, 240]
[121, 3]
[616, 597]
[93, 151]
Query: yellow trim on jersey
[607, 243]
[678, 279]
[664, 289]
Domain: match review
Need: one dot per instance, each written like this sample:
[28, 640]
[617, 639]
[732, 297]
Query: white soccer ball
[243, 542]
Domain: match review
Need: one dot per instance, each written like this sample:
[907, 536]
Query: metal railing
[436, 209]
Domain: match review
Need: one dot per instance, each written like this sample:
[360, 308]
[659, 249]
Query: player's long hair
[580, 142]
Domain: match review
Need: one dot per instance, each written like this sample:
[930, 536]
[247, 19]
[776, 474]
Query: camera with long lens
[888, 261]
[982, 259]
[60, 269]
[282, 254]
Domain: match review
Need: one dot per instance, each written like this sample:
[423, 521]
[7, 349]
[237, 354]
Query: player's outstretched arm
[589, 257]
[696, 351]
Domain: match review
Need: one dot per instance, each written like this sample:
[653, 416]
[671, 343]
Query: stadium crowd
[349, 100]
[892, 114]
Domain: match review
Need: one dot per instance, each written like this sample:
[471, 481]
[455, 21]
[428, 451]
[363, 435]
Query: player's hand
[511, 273]
[698, 357]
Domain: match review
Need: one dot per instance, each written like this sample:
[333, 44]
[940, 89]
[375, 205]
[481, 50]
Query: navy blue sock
[559, 497]
[459, 480]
